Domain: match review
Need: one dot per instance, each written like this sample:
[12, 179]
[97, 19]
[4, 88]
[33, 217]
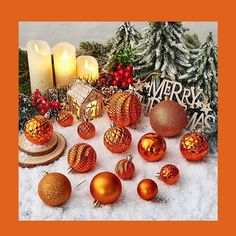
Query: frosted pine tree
[124, 42]
[163, 48]
[204, 72]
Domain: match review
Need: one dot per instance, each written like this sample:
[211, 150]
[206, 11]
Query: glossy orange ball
[38, 130]
[64, 118]
[194, 146]
[169, 174]
[86, 130]
[147, 189]
[152, 147]
[105, 187]
[125, 168]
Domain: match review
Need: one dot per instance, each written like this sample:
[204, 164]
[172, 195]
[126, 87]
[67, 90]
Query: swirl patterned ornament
[169, 174]
[82, 158]
[125, 168]
[65, 118]
[194, 146]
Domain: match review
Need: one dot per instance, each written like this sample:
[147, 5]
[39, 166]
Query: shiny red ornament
[169, 174]
[64, 118]
[194, 146]
[125, 168]
[86, 130]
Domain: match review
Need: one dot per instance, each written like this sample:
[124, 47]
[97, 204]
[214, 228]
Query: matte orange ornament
[194, 146]
[65, 118]
[105, 188]
[117, 140]
[38, 130]
[86, 130]
[168, 118]
[125, 168]
[124, 108]
[147, 189]
[152, 147]
[169, 174]
[82, 157]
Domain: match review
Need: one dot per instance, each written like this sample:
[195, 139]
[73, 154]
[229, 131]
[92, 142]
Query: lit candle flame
[36, 48]
[64, 55]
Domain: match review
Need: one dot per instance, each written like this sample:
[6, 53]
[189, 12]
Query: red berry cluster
[42, 102]
[122, 76]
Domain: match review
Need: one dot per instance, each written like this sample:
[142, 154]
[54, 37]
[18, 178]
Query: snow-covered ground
[194, 197]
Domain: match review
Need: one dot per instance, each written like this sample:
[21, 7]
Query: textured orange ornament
[124, 109]
[65, 118]
[194, 146]
[147, 189]
[152, 147]
[125, 168]
[82, 157]
[54, 189]
[86, 130]
[168, 118]
[117, 140]
[38, 130]
[105, 188]
[169, 174]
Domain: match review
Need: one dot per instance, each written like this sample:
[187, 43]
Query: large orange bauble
[82, 157]
[194, 146]
[169, 174]
[124, 109]
[65, 118]
[152, 147]
[38, 130]
[168, 118]
[147, 189]
[125, 168]
[117, 140]
[105, 187]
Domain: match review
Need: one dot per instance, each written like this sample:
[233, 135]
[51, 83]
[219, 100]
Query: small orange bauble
[194, 146]
[105, 187]
[117, 140]
[82, 157]
[147, 189]
[169, 174]
[152, 147]
[65, 118]
[124, 108]
[86, 130]
[38, 130]
[125, 168]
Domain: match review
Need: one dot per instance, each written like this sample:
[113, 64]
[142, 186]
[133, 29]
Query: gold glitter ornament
[64, 118]
[82, 158]
[38, 130]
[54, 189]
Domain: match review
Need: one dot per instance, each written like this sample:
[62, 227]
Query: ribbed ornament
[82, 157]
[125, 168]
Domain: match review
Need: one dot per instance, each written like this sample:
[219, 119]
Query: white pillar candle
[64, 59]
[87, 68]
[40, 65]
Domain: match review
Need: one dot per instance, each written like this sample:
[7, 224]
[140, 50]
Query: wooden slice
[26, 160]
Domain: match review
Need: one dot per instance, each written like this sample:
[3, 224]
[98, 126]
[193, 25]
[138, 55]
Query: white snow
[194, 197]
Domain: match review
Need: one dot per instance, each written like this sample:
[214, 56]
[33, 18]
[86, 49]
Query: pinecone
[104, 80]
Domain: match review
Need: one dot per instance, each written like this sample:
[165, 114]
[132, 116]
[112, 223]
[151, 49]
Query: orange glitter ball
[86, 130]
[65, 118]
[169, 174]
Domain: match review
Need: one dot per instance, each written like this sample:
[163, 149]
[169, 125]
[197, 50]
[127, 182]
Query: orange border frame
[105, 10]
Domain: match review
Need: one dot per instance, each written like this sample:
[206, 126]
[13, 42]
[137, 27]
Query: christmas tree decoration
[83, 98]
[105, 188]
[147, 189]
[152, 147]
[125, 168]
[117, 140]
[65, 118]
[38, 130]
[104, 81]
[23, 76]
[86, 130]
[124, 109]
[194, 146]
[168, 118]
[54, 189]
[82, 158]
[169, 174]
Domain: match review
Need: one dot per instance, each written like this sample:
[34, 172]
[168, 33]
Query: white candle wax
[40, 65]
[64, 64]
[87, 68]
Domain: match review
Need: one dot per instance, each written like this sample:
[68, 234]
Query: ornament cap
[129, 158]
[96, 203]
[112, 124]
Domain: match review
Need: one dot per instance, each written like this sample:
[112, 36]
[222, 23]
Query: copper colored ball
[147, 189]
[54, 189]
[169, 174]
[38, 130]
[152, 147]
[65, 118]
[125, 169]
[194, 146]
[105, 187]
[168, 118]
[86, 130]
